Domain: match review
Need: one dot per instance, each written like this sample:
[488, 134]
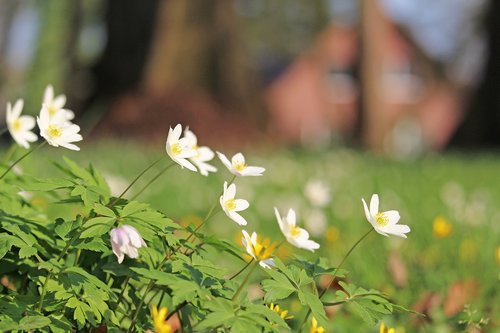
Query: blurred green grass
[462, 188]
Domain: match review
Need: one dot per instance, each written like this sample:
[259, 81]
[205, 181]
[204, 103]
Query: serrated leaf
[97, 226]
[27, 251]
[103, 210]
[315, 304]
[279, 287]
[31, 322]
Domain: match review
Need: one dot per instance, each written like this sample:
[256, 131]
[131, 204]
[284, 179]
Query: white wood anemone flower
[179, 149]
[57, 130]
[20, 126]
[385, 223]
[203, 154]
[296, 236]
[259, 250]
[238, 167]
[126, 240]
[232, 206]
[55, 104]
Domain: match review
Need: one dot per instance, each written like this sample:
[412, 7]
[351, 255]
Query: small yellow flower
[498, 255]
[441, 227]
[315, 328]
[260, 250]
[332, 234]
[282, 313]
[384, 329]
[160, 320]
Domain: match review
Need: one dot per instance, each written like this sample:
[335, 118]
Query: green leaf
[103, 210]
[314, 303]
[5, 245]
[32, 322]
[97, 226]
[279, 287]
[133, 207]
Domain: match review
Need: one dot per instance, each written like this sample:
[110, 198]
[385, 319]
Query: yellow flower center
[16, 125]
[239, 166]
[295, 231]
[263, 250]
[54, 131]
[230, 204]
[381, 219]
[176, 149]
[52, 110]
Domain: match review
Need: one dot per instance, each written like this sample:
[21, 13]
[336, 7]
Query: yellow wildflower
[282, 313]
[498, 255]
[441, 227]
[160, 320]
[384, 329]
[315, 328]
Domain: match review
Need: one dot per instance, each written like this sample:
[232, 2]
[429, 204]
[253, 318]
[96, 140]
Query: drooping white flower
[259, 250]
[231, 206]
[238, 167]
[126, 240]
[55, 104]
[317, 192]
[296, 236]
[57, 130]
[20, 126]
[203, 154]
[179, 149]
[385, 223]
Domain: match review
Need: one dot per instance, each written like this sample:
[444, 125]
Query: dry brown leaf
[397, 269]
[459, 294]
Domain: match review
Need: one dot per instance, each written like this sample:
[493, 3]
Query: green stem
[335, 275]
[135, 180]
[22, 158]
[152, 180]
[237, 293]
[138, 309]
[209, 214]
[51, 274]
[241, 270]
[9, 153]
[120, 297]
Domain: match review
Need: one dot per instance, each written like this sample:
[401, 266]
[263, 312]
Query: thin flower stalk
[22, 158]
[335, 275]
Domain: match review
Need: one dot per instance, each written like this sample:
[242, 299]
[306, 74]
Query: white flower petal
[241, 204]
[252, 171]
[224, 161]
[374, 203]
[237, 218]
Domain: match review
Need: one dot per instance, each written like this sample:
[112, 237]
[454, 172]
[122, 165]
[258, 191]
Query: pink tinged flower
[55, 104]
[296, 236]
[203, 154]
[179, 149]
[20, 126]
[385, 223]
[231, 206]
[57, 130]
[126, 240]
[238, 166]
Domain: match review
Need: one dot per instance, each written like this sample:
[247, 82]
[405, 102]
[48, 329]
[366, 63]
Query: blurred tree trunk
[481, 127]
[197, 46]
[56, 49]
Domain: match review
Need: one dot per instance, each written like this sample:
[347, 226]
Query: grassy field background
[434, 275]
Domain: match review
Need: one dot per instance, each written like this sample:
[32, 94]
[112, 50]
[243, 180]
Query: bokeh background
[338, 99]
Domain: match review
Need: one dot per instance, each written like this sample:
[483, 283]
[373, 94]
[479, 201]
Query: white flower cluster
[53, 121]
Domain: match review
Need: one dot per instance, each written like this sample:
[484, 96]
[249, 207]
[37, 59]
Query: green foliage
[60, 273]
